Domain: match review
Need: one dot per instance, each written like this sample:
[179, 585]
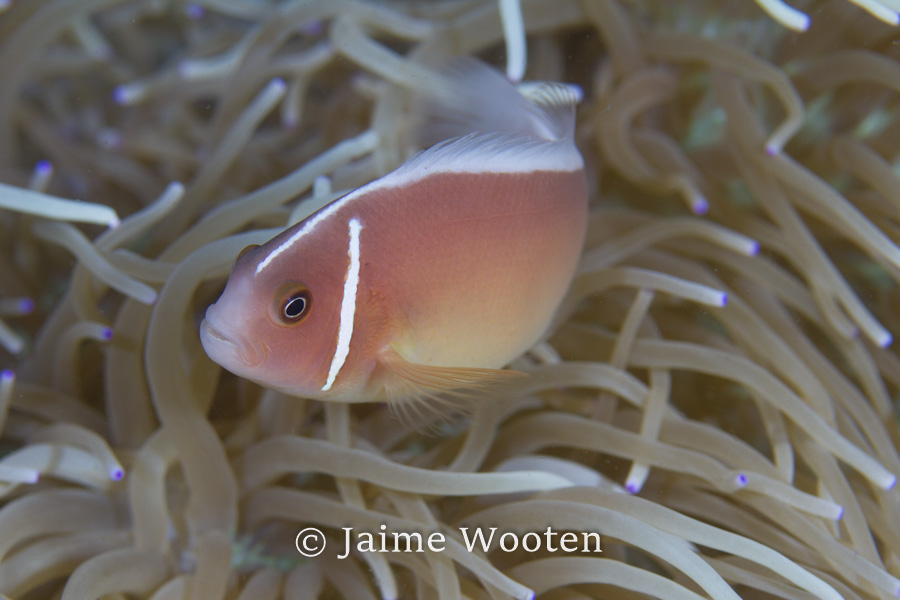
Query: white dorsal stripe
[348, 307]
[485, 153]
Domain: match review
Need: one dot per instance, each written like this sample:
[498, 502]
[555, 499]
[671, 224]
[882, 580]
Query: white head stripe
[348, 307]
[308, 227]
[284, 246]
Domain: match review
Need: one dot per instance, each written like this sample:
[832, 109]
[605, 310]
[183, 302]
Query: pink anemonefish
[428, 280]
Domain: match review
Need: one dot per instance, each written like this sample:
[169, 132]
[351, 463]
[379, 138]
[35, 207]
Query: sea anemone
[711, 415]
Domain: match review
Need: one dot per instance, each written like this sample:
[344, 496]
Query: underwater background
[717, 397]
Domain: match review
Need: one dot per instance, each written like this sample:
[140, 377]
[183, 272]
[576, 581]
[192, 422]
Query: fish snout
[228, 346]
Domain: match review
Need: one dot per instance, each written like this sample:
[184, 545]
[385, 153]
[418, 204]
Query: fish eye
[245, 251]
[295, 305]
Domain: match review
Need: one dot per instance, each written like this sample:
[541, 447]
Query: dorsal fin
[555, 104]
[484, 153]
[471, 96]
[478, 122]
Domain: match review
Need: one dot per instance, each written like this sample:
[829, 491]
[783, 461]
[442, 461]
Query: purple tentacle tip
[26, 306]
[724, 301]
[109, 138]
[700, 207]
[7, 375]
[741, 479]
[771, 150]
[887, 341]
[184, 69]
[632, 487]
[120, 95]
[107, 333]
[43, 167]
[754, 248]
[840, 514]
[114, 222]
[279, 83]
[116, 474]
[195, 11]
[314, 27]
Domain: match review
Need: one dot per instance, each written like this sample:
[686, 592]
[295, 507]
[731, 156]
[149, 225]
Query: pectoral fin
[415, 383]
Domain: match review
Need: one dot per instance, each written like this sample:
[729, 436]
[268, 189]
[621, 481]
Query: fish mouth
[215, 333]
[228, 348]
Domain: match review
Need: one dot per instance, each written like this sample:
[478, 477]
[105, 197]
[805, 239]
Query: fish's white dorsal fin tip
[485, 153]
[555, 105]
